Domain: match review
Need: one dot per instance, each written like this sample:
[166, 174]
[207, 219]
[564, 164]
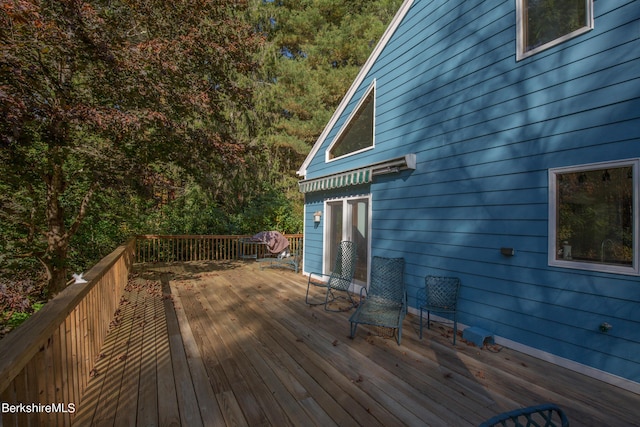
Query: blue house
[499, 143]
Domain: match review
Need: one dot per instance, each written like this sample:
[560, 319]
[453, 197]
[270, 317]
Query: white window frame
[326, 261]
[634, 269]
[521, 28]
[345, 126]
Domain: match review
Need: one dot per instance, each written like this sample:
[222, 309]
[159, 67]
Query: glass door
[348, 219]
[359, 213]
[335, 232]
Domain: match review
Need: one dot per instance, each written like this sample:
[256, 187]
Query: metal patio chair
[439, 295]
[547, 415]
[340, 278]
[385, 303]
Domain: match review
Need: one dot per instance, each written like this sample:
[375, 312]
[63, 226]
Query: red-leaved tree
[93, 92]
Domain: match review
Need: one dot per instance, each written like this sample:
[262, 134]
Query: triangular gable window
[357, 134]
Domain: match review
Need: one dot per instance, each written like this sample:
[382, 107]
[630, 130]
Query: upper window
[545, 23]
[357, 134]
[593, 217]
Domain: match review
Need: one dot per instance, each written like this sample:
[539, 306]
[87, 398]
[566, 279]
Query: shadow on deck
[228, 344]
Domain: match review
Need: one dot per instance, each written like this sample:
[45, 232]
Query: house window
[593, 217]
[545, 23]
[357, 134]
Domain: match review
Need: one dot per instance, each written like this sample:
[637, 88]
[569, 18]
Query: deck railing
[152, 248]
[46, 363]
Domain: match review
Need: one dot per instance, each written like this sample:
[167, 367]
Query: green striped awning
[343, 179]
[363, 175]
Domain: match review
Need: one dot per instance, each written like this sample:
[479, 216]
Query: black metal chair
[340, 278]
[439, 295]
[385, 303]
[545, 415]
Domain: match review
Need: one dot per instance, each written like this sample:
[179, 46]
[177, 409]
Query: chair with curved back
[547, 414]
[439, 295]
[385, 303]
[339, 279]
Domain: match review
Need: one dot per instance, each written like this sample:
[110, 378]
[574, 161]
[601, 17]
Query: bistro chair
[547, 415]
[340, 278]
[439, 295]
[385, 303]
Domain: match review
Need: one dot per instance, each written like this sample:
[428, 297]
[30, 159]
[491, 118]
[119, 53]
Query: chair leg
[326, 297]
[420, 322]
[455, 328]
[306, 298]
[327, 300]
[353, 327]
[333, 298]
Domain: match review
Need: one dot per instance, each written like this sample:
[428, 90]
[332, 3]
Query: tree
[315, 49]
[94, 93]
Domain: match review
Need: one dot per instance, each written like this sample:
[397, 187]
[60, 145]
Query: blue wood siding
[486, 129]
[313, 233]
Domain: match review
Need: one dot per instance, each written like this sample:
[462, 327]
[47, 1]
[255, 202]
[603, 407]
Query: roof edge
[386, 36]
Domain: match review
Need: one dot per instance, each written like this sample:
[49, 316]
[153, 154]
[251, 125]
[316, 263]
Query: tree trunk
[58, 273]
[57, 238]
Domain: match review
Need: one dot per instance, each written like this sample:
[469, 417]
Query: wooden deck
[217, 344]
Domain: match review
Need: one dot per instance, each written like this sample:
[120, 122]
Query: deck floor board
[229, 344]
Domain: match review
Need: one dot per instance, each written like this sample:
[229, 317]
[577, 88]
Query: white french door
[349, 219]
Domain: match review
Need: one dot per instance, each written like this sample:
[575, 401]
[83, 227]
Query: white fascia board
[391, 29]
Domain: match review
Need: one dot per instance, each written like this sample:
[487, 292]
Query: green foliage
[315, 49]
[595, 214]
[196, 212]
[94, 94]
[17, 318]
[19, 298]
[193, 212]
[550, 19]
[271, 210]
[120, 118]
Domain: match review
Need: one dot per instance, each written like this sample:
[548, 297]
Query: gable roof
[395, 23]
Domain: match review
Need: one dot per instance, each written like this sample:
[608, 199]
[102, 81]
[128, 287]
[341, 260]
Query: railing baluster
[185, 248]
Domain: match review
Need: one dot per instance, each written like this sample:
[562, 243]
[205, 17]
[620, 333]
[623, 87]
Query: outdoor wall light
[605, 327]
[317, 216]
[507, 251]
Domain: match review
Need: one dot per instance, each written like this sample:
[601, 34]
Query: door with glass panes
[348, 219]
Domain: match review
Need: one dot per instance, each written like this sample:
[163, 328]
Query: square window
[542, 24]
[593, 217]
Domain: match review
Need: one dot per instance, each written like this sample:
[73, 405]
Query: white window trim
[343, 129]
[520, 29]
[634, 269]
[326, 261]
